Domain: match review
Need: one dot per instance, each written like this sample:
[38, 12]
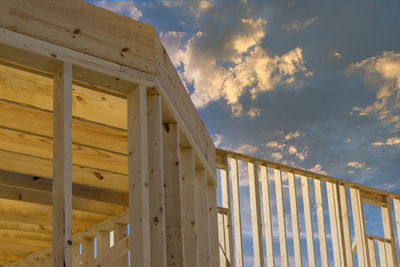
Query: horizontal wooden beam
[39, 167]
[298, 171]
[78, 191]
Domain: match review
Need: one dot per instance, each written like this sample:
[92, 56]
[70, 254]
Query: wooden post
[120, 232]
[388, 231]
[62, 167]
[372, 253]
[156, 181]
[213, 221]
[295, 220]
[281, 218]
[189, 207]
[87, 251]
[173, 196]
[335, 230]
[256, 224]
[319, 203]
[345, 226]
[359, 227]
[76, 254]
[269, 242]
[396, 207]
[226, 203]
[139, 212]
[382, 254]
[308, 221]
[103, 242]
[236, 212]
[202, 218]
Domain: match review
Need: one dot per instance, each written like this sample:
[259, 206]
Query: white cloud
[383, 73]
[292, 135]
[277, 155]
[318, 169]
[195, 7]
[389, 142]
[236, 64]
[247, 149]
[254, 112]
[218, 139]
[356, 164]
[299, 25]
[126, 8]
[337, 54]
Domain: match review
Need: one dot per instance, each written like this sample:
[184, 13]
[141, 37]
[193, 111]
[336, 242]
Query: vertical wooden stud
[87, 251]
[139, 211]
[308, 221]
[76, 254]
[62, 167]
[256, 224]
[372, 253]
[103, 242]
[189, 207]
[295, 220]
[321, 223]
[388, 231]
[226, 203]
[213, 222]
[281, 218]
[120, 232]
[202, 218]
[359, 227]
[345, 226]
[173, 196]
[156, 181]
[335, 230]
[236, 212]
[269, 240]
[382, 254]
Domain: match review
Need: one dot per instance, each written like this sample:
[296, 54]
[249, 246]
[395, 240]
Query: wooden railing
[277, 192]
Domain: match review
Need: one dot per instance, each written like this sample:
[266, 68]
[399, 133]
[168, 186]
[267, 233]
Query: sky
[311, 84]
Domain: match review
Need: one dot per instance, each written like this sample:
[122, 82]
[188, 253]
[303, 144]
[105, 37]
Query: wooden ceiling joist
[79, 191]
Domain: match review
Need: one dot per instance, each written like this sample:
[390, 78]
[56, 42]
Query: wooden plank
[346, 226]
[222, 244]
[71, 24]
[87, 251]
[236, 212]
[382, 254]
[41, 147]
[25, 227]
[372, 253]
[189, 208]
[45, 198]
[173, 196]
[319, 203]
[202, 218]
[103, 242]
[267, 215]
[171, 87]
[396, 207]
[256, 224]
[281, 218]
[339, 223]
[76, 254]
[156, 181]
[120, 232]
[359, 227]
[139, 213]
[388, 231]
[295, 221]
[119, 250]
[335, 230]
[308, 221]
[226, 203]
[62, 171]
[38, 167]
[81, 192]
[19, 117]
[213, 222]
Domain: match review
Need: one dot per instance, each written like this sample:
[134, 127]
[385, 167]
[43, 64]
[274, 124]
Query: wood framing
[62, 167]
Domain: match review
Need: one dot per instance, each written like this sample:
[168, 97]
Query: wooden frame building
[97, 131]
[104, 161]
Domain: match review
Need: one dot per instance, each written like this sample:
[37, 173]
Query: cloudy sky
[310, 84]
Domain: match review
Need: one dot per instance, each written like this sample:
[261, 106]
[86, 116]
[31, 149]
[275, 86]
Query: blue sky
[314, 84]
